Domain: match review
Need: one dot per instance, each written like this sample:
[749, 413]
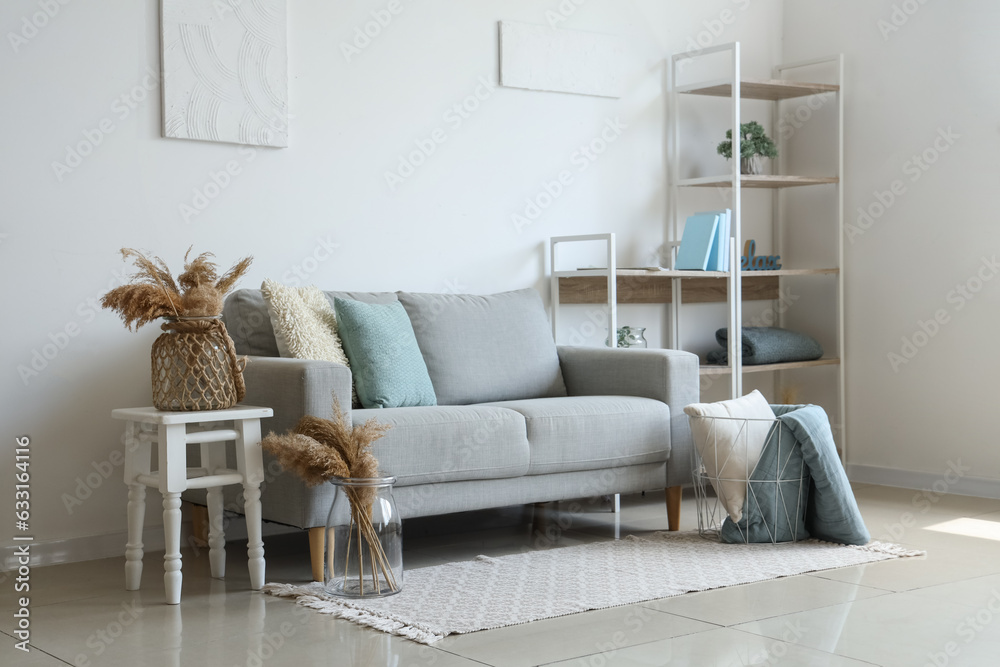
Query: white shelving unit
[612, 285]
[775, 90]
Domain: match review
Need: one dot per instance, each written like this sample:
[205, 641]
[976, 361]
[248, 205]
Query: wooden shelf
[770, 89]
[642, 286]
[763, 368]
[761, 181]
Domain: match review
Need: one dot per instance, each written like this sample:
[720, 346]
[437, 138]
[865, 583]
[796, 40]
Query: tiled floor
[937, 610]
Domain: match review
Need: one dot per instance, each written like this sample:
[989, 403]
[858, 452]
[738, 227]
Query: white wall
[447, 227]
[913, 78]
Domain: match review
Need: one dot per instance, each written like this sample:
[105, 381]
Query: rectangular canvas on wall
[537, 57]
[225, 71]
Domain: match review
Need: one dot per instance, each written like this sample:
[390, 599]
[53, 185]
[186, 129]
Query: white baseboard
[112, 545]
[965, 485]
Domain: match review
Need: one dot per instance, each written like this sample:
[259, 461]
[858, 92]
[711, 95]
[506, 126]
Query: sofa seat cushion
[574, 433]
[434, 444]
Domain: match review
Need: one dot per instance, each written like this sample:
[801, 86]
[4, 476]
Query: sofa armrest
[670, 376]
[294, 388]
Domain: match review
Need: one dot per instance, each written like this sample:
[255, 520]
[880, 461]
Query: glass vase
[635, 338]
[364, 539]
[630, 337]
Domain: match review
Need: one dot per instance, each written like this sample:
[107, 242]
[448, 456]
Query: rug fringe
[888, 548]
[386, 623]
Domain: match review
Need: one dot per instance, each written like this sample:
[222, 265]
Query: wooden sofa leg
[317, 545]
[199, 524]
[674, 507]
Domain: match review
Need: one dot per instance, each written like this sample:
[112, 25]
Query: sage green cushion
[385, 359]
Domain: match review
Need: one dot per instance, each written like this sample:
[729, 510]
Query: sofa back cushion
[485, 348]
[249, 325]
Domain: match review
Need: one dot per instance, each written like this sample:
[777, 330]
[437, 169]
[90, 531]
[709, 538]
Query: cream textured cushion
[730, 448]
[305, 326]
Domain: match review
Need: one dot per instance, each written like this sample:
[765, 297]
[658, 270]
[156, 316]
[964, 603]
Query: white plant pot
[750, 165]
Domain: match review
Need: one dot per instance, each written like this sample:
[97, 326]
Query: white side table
[172, 435]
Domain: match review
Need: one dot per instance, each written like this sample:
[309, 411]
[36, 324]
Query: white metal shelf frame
[779, 73]
[776, 90]
[611, 271]
[734, 301]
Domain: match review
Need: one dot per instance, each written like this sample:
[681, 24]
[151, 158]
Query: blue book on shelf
[697, 242]
[718, 259]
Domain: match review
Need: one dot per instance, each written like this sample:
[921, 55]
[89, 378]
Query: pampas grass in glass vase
[364, 532]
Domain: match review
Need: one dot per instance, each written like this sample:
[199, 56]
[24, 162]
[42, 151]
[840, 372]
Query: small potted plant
[754, 144]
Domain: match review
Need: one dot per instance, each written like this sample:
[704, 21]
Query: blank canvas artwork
[537, 57]
[225, 67]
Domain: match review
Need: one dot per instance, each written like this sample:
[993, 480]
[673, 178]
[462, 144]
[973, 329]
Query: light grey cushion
[485, 348]
[591, 432]
[249, 325]
[449, 443]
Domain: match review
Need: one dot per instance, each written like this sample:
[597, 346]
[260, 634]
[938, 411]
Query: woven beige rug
[488, 593]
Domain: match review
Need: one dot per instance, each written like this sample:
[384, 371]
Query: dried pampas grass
[318, 450]
[153, 293]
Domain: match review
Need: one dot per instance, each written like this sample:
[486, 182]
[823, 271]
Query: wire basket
[750, 480]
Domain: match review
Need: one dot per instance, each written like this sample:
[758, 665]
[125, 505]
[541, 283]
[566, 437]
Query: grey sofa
[519, 420]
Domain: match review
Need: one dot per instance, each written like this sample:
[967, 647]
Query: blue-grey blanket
[773, 510]
[768, 345]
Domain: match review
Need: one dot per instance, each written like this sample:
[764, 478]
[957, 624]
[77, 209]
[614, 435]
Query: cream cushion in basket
[305, 326]
[730, 448]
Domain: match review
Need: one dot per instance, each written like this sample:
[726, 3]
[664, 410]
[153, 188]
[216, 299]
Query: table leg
[249, 461]
[137, 456]
[133, 549]
[213, 458]
[216, 536]
[172, 541]
[172, 447]
[255, 544]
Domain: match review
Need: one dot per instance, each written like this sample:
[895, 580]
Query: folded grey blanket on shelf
[768, 345]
